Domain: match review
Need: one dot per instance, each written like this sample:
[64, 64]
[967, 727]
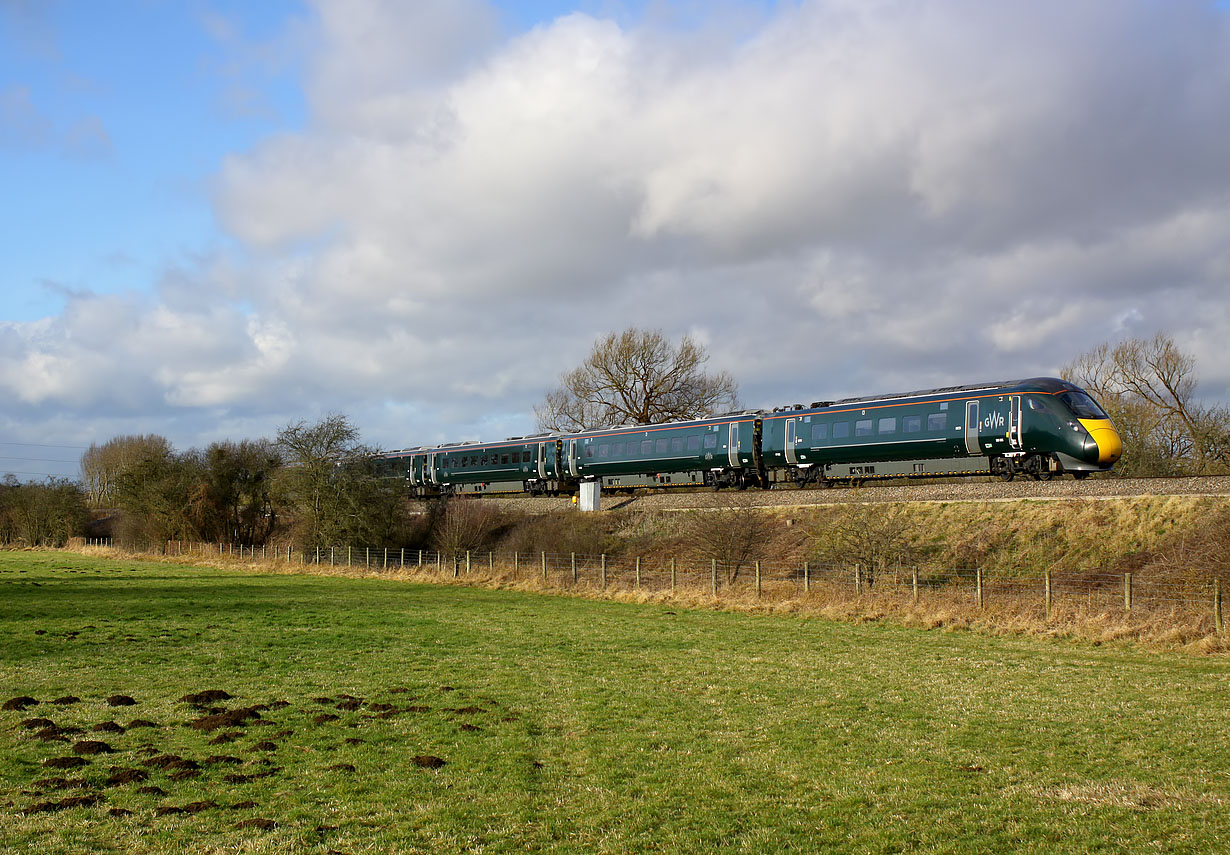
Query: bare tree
[1148, 388]
[462, 525]
[102, 465]
[874, 535]
[637, 377]
[734, 537]
[331, 485]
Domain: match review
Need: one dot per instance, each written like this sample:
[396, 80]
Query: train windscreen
[1083, 406]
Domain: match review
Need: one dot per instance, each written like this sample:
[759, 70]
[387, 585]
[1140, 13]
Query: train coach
[1040, 428]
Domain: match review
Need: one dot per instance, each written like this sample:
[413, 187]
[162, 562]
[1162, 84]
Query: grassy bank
[570, 725]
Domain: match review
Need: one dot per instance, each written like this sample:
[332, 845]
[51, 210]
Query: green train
[1041, 428]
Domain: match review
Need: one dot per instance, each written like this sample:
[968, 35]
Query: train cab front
[1094, 445]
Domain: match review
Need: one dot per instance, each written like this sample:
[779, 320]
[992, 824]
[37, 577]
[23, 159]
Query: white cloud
[853, 197]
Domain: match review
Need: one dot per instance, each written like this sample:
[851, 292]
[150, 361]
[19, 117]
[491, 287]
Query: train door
[411, 475]
[791, 440]
[971, 427]
[1014, 422]
[542, 460]
[572, 457]
[732, 452]
[431, 469]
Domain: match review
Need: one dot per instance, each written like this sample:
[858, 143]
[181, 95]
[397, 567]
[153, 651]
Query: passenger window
[819, 432]
[604, 450]
[503, 459]
[711, 440]
[647, 446]
[465, 461]
[862, 427]
[661, 445]
[911, 424]
[937, 421]
[841, 430]
[677, 445]
[516, 457]
[693, 443]
[589, 451]
[887, 426]
[618, 450]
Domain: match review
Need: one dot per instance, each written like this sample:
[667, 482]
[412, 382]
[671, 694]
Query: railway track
[955, 490]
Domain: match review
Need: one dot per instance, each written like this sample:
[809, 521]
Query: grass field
[570, 725]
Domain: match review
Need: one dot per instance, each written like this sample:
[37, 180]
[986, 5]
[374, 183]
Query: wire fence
[1196, 597]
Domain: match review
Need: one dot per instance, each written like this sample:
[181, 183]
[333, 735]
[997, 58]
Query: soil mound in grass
[223, 738]
[63, 804]
[184, 774]
[209, 696]
[232, 718]
[37, 723]
[21, 702]
[67, 700]
[121, 701]
[171, 761]
[428, 761]
[221, 758]
[257, 822]
[92, 746]
[65, 762]
[125, 775]
[197, 807]
[244, 805]
[107, 727]
[151, 791]
[119, 812]
[265, 745]
[141, 722]
[324, 718]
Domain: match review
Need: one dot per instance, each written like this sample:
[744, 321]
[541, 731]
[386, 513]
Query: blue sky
[225, 216]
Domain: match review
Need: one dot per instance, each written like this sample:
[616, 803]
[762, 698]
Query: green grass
[593, 726]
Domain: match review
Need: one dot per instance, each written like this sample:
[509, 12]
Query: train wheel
[1044, 476]
[1007, 475]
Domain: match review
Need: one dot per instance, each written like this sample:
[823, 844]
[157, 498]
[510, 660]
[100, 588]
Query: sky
[223, 217]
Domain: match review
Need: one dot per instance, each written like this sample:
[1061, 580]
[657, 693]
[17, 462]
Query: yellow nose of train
[1110, 446]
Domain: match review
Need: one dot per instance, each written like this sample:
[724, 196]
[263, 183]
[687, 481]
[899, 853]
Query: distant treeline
[315, 485]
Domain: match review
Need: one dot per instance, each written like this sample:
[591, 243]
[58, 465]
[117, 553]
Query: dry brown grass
[1176, 627]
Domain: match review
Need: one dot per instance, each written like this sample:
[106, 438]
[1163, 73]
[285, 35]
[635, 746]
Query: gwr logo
[993, 421]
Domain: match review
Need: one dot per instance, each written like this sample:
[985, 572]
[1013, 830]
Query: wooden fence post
[467, 562]
[858, 579]
[806, 578]
[603, 569]
[978, 584]
[914, 582]
[714, 579]
[758, 580]
[574, 568]
[544, 568]
[1127, 592]
[420, 558]
[491, 562]
[672, 573]
[1218, 623]
[516, 563]
[638, 572]
[1047, 593]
